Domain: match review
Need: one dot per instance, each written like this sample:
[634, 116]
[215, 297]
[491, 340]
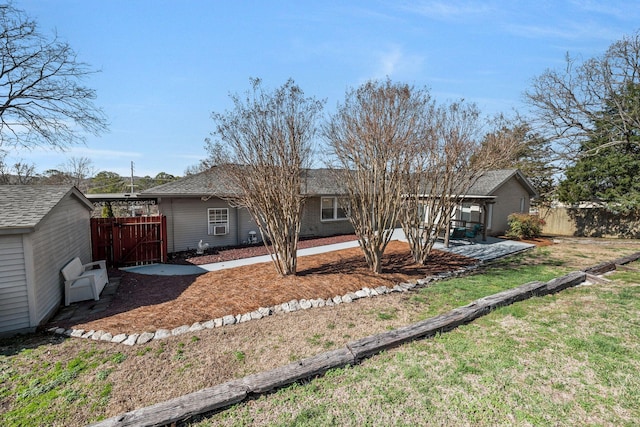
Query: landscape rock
[96, 335]
[305, 304]
[145, 337]
[218, 322]
[106, 337]
[228, 320]
[119, 338]
[245, 318]
[209, 324]
[346, 298]
[337, 299]
[255, 315]
[131, 339]
[77, 333]
[180, 330]
[161, 333]
[196, 327]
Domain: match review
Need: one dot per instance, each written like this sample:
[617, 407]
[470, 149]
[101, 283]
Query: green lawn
[567, 359]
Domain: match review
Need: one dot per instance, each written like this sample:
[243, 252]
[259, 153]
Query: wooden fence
[129, 241]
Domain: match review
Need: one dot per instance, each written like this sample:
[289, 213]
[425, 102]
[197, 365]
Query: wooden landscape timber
[230, 393]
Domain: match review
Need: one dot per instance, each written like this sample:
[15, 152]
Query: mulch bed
[150, 302]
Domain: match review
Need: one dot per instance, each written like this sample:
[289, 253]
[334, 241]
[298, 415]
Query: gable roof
[491, 180]
[22, 207]
[214, 181]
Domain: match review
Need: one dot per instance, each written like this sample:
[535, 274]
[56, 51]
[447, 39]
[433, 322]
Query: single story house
[196, 210]
[42, 227]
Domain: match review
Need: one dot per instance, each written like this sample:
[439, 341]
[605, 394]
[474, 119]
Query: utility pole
[132, 177]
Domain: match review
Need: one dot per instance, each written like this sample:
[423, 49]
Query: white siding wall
[14, 302]
[62, 235]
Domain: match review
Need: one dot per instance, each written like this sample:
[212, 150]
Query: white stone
[77, 333]
[119, 338]
[228, 320]
[347, 298]
[196, 327]
[329, 303]
[180, 330]
[145, 337]
[218, 322]
[245, 318]
[131, 339]
[294, 305]
[381, 290]
[305, 304]
[96, 335]
[209, 324]
[264, 311]
[161, 333]
[321, 302]
[106, 337]
[337, 299]
[255, 315]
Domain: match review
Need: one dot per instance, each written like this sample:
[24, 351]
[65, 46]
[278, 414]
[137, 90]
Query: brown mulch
[151, 302]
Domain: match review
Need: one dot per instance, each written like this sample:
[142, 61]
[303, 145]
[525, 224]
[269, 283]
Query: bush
[524, 226]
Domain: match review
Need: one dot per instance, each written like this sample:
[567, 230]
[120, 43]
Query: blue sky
[166, 65]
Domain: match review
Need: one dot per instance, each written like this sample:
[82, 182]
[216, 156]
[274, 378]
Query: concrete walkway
[485, 251]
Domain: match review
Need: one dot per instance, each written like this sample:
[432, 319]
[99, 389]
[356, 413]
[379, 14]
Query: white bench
[83, 282]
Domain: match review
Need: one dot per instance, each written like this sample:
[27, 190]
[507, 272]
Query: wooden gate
[129, 241]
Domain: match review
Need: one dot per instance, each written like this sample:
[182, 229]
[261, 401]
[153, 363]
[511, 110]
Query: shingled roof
[490, 181]
[22, 207]
[215, 182]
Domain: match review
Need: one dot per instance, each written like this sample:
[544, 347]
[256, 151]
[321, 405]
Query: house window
[330, 209]
[218, 221]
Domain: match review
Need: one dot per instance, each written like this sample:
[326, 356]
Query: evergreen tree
[605, 172]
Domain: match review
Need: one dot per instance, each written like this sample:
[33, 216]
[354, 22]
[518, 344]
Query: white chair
[83, 282]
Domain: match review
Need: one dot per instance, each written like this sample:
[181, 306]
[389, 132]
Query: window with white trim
[330, 209]
[218, 219]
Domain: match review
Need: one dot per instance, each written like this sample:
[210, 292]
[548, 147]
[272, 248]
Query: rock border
[283, 308]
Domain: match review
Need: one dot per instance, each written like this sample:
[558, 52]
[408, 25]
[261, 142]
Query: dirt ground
[152, 302]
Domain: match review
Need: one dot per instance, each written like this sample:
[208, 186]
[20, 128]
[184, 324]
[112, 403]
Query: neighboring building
[41, 229]
[196, 210]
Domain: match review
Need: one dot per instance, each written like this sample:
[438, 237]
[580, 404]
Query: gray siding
[508, 198]
[63, 234]
[14, 301]
[187, 223]
[312, 225]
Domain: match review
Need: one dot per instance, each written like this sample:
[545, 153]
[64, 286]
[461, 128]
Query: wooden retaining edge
[611, 265]
[227, 394]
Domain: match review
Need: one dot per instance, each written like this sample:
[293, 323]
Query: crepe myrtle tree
[42, 98]
[444, 166]
[371, 139]
[268, 138]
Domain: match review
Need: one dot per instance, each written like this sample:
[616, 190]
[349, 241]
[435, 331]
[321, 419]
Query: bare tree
[568, 104]
[42, 100]
[79, 170]
[371, 138]
[24, 173]
[444, 166]
[217, 155]
[270, 135]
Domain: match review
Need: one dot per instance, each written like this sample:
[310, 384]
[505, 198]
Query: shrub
[524, 226]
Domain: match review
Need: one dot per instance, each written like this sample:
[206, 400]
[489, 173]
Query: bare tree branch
[42, 100]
